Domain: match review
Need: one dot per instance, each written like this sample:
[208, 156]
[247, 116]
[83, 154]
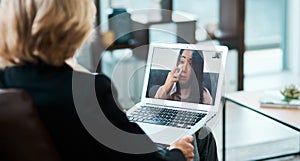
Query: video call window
[184, 75]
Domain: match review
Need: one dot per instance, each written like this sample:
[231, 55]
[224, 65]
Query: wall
[231, 72]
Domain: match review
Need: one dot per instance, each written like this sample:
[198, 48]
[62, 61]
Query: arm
[164, 91]
[161, 93]
[1, 79]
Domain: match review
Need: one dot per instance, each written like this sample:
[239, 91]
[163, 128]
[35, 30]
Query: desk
[250, 100]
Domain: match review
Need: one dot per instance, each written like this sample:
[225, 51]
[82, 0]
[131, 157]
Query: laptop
[169, 111]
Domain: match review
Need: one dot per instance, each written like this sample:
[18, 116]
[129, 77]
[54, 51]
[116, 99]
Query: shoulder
[206, 91]
[100, 77]
[92, 77]
[99, 81]
[207, 98]
[102, 82]
[104, 85]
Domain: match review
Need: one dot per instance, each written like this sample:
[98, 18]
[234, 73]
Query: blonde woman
[37, 37]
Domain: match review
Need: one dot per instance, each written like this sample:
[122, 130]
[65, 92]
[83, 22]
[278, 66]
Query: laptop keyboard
[167, 117]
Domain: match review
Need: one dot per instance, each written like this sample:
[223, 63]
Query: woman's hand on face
[172, 78]
[186, 147]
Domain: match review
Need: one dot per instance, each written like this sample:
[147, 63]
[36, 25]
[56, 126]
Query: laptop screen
[185, 75]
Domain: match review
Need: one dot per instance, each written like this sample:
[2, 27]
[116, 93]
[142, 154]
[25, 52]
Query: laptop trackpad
[163, 134]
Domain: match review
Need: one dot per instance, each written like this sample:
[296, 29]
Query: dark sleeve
[174, 155]
[107, 98]
[1, 79]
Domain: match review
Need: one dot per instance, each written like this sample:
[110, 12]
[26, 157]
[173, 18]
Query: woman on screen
[184, 82]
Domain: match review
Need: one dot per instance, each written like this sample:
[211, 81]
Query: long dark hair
[197, 66]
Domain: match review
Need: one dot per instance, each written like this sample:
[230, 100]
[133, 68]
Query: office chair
[23, 137]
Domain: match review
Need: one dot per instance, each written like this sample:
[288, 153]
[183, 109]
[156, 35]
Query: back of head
[43, 30]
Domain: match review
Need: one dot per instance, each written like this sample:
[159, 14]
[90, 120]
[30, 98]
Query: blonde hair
[46, 30]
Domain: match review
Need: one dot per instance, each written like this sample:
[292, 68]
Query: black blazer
[51, 90]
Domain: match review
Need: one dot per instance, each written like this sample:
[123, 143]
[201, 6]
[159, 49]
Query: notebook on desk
[274, 99]
[166, 117]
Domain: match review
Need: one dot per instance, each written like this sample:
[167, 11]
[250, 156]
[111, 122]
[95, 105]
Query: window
[265, 36]
[207, 12]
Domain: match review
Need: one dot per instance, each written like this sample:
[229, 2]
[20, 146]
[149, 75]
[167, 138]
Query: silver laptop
[181, 90]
